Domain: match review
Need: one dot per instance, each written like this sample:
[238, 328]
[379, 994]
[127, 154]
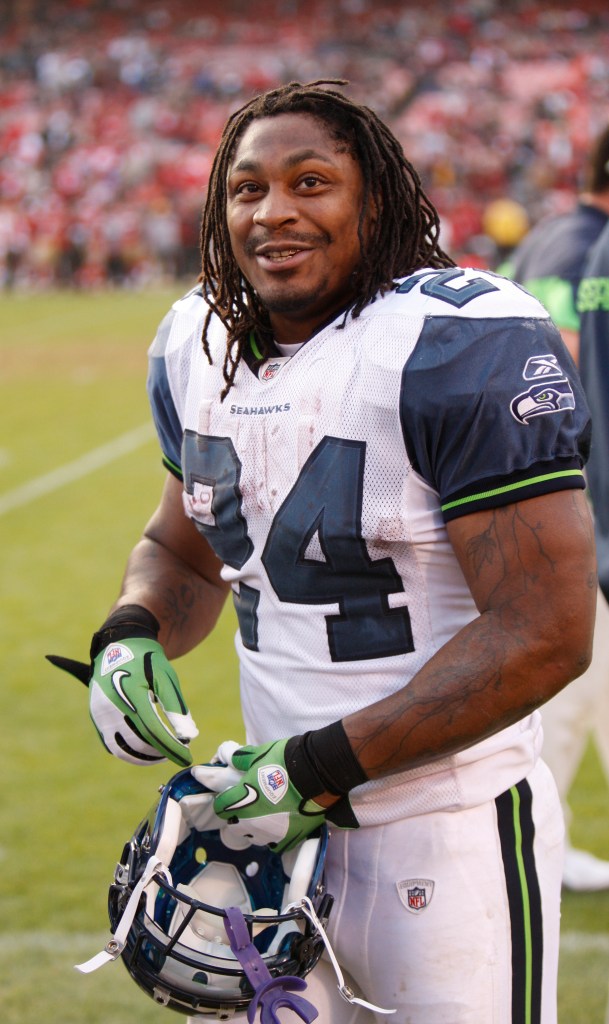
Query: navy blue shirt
[550, 259]
[593, 307]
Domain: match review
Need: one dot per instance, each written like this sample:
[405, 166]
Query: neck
[294, 330]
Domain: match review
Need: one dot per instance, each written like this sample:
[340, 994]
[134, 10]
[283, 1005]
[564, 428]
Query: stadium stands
[110, 111]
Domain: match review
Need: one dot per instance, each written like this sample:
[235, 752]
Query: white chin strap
[115, 946]
[347, 993]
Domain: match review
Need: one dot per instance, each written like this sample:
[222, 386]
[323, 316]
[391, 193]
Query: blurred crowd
[110, 112]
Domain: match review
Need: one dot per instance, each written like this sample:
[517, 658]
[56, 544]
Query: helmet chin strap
[347, 993]
[269, 993]
[116, 944]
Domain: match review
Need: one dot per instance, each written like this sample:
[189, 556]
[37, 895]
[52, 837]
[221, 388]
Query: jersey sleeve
[164, 412]
[493, 411]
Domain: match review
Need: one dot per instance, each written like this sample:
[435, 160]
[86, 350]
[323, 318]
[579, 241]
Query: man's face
[294, 200]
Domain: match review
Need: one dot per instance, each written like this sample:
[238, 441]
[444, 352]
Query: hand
[135, 702]
[218, 773]
[265, 805]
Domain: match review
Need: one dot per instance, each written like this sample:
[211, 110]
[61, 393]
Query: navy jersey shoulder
[492, 407]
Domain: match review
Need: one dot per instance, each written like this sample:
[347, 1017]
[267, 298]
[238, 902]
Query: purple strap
[269, 993]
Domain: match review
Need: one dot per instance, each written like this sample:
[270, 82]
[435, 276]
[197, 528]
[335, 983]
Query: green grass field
[71, 386]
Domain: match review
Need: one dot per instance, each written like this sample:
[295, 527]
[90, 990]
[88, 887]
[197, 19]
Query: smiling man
[380, 456]
[292, 193]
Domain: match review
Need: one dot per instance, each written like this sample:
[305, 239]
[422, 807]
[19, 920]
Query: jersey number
[315, 552]
[439, 284]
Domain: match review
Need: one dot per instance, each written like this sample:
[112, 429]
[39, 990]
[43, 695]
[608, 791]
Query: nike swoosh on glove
[135, 700]
[265, 806]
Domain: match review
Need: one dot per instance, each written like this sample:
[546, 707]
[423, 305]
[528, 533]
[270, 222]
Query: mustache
[306, 238]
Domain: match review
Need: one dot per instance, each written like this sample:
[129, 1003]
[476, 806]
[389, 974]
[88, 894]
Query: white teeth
[281, 255]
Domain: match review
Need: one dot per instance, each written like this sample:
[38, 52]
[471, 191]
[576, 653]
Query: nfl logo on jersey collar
[415, 893]
[271, 368]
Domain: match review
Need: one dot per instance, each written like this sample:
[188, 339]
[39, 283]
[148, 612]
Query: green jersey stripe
[482, 495]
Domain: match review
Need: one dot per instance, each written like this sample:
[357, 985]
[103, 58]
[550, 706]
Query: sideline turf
[72, 379]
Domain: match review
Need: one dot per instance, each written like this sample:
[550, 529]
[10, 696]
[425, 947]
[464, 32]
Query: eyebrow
[292, 160]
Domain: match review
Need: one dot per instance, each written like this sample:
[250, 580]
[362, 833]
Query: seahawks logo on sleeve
[552, 394]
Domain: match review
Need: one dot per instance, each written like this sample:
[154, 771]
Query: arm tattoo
[179, 601]
[509, 534]
[527, 571]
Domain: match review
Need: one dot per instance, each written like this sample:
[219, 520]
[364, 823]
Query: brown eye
[310, 180]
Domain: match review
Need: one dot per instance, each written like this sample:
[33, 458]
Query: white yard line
[49, 942]
[585, 942]
[75, 470]
[15, 941]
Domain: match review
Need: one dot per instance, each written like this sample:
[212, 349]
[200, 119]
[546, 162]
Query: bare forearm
[479, 683]
[186, 604]
[531, 568]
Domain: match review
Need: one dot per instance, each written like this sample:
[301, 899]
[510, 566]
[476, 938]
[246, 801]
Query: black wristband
[323, 761]
[128, 620]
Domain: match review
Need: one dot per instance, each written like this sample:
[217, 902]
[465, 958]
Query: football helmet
[177, 876]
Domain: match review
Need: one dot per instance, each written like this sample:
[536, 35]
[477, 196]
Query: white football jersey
[324, 482]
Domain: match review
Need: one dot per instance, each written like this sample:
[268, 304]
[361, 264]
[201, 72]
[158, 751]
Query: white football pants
[450, 917]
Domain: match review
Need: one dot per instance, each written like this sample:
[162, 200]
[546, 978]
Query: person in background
[549, 260]
[549, 264]
[593, 307]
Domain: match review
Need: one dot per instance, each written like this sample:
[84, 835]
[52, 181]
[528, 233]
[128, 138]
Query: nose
[276, 207]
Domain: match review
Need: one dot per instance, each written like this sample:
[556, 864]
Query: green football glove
[266, 807]
[135, 700]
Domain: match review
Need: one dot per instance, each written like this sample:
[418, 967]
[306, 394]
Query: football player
[379, 455]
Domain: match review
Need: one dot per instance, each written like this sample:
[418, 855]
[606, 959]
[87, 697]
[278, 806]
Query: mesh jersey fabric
[320, 482]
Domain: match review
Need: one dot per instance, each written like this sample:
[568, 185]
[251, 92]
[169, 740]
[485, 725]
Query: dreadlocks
[396, 245]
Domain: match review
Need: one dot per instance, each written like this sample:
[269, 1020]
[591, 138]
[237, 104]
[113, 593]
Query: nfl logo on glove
[115, 656]
[273, 782]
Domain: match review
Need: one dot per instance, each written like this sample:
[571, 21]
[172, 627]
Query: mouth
[275, 252]
[280, 255]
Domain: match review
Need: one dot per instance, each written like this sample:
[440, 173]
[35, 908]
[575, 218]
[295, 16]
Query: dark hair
[403, 238]
[598, 168]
